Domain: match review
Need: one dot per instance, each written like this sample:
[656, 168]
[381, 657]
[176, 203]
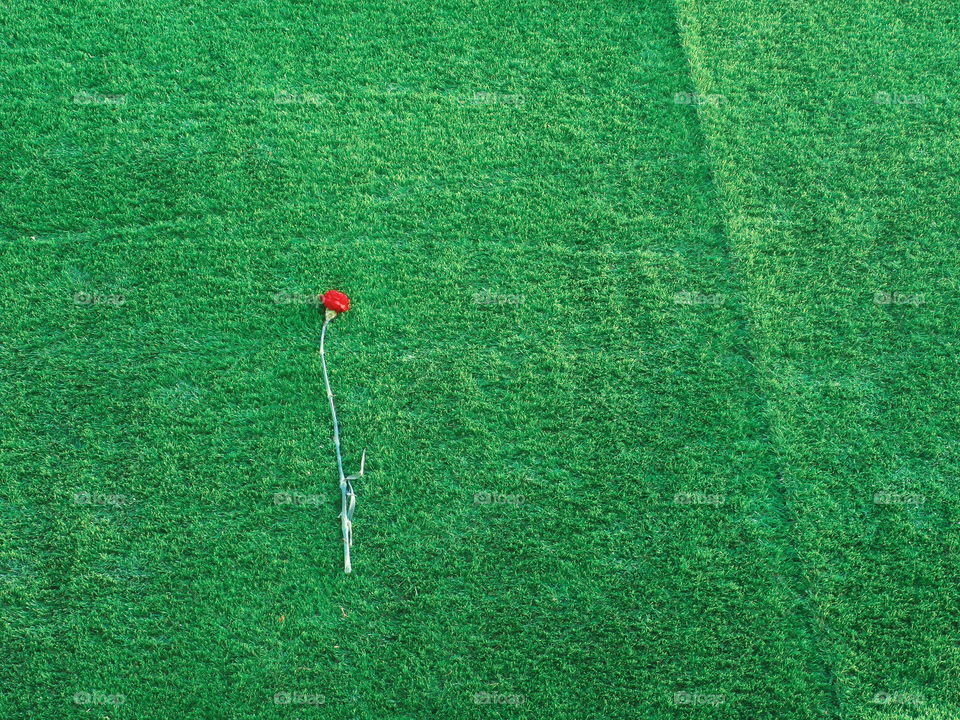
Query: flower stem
[347, 496]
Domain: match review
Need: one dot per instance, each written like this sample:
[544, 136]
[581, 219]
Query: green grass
[835, 154]
[656, 322]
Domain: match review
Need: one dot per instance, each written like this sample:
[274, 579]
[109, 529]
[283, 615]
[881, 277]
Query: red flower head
[336, 301]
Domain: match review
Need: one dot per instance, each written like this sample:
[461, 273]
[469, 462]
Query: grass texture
[652, 351]
[835, 155]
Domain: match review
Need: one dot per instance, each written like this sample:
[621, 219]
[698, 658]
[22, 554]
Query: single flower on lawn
[336, 302]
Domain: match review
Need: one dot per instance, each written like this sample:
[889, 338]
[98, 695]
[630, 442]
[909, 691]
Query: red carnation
[336, 301]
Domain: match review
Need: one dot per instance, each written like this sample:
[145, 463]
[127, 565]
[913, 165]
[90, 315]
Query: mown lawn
[652, 351]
